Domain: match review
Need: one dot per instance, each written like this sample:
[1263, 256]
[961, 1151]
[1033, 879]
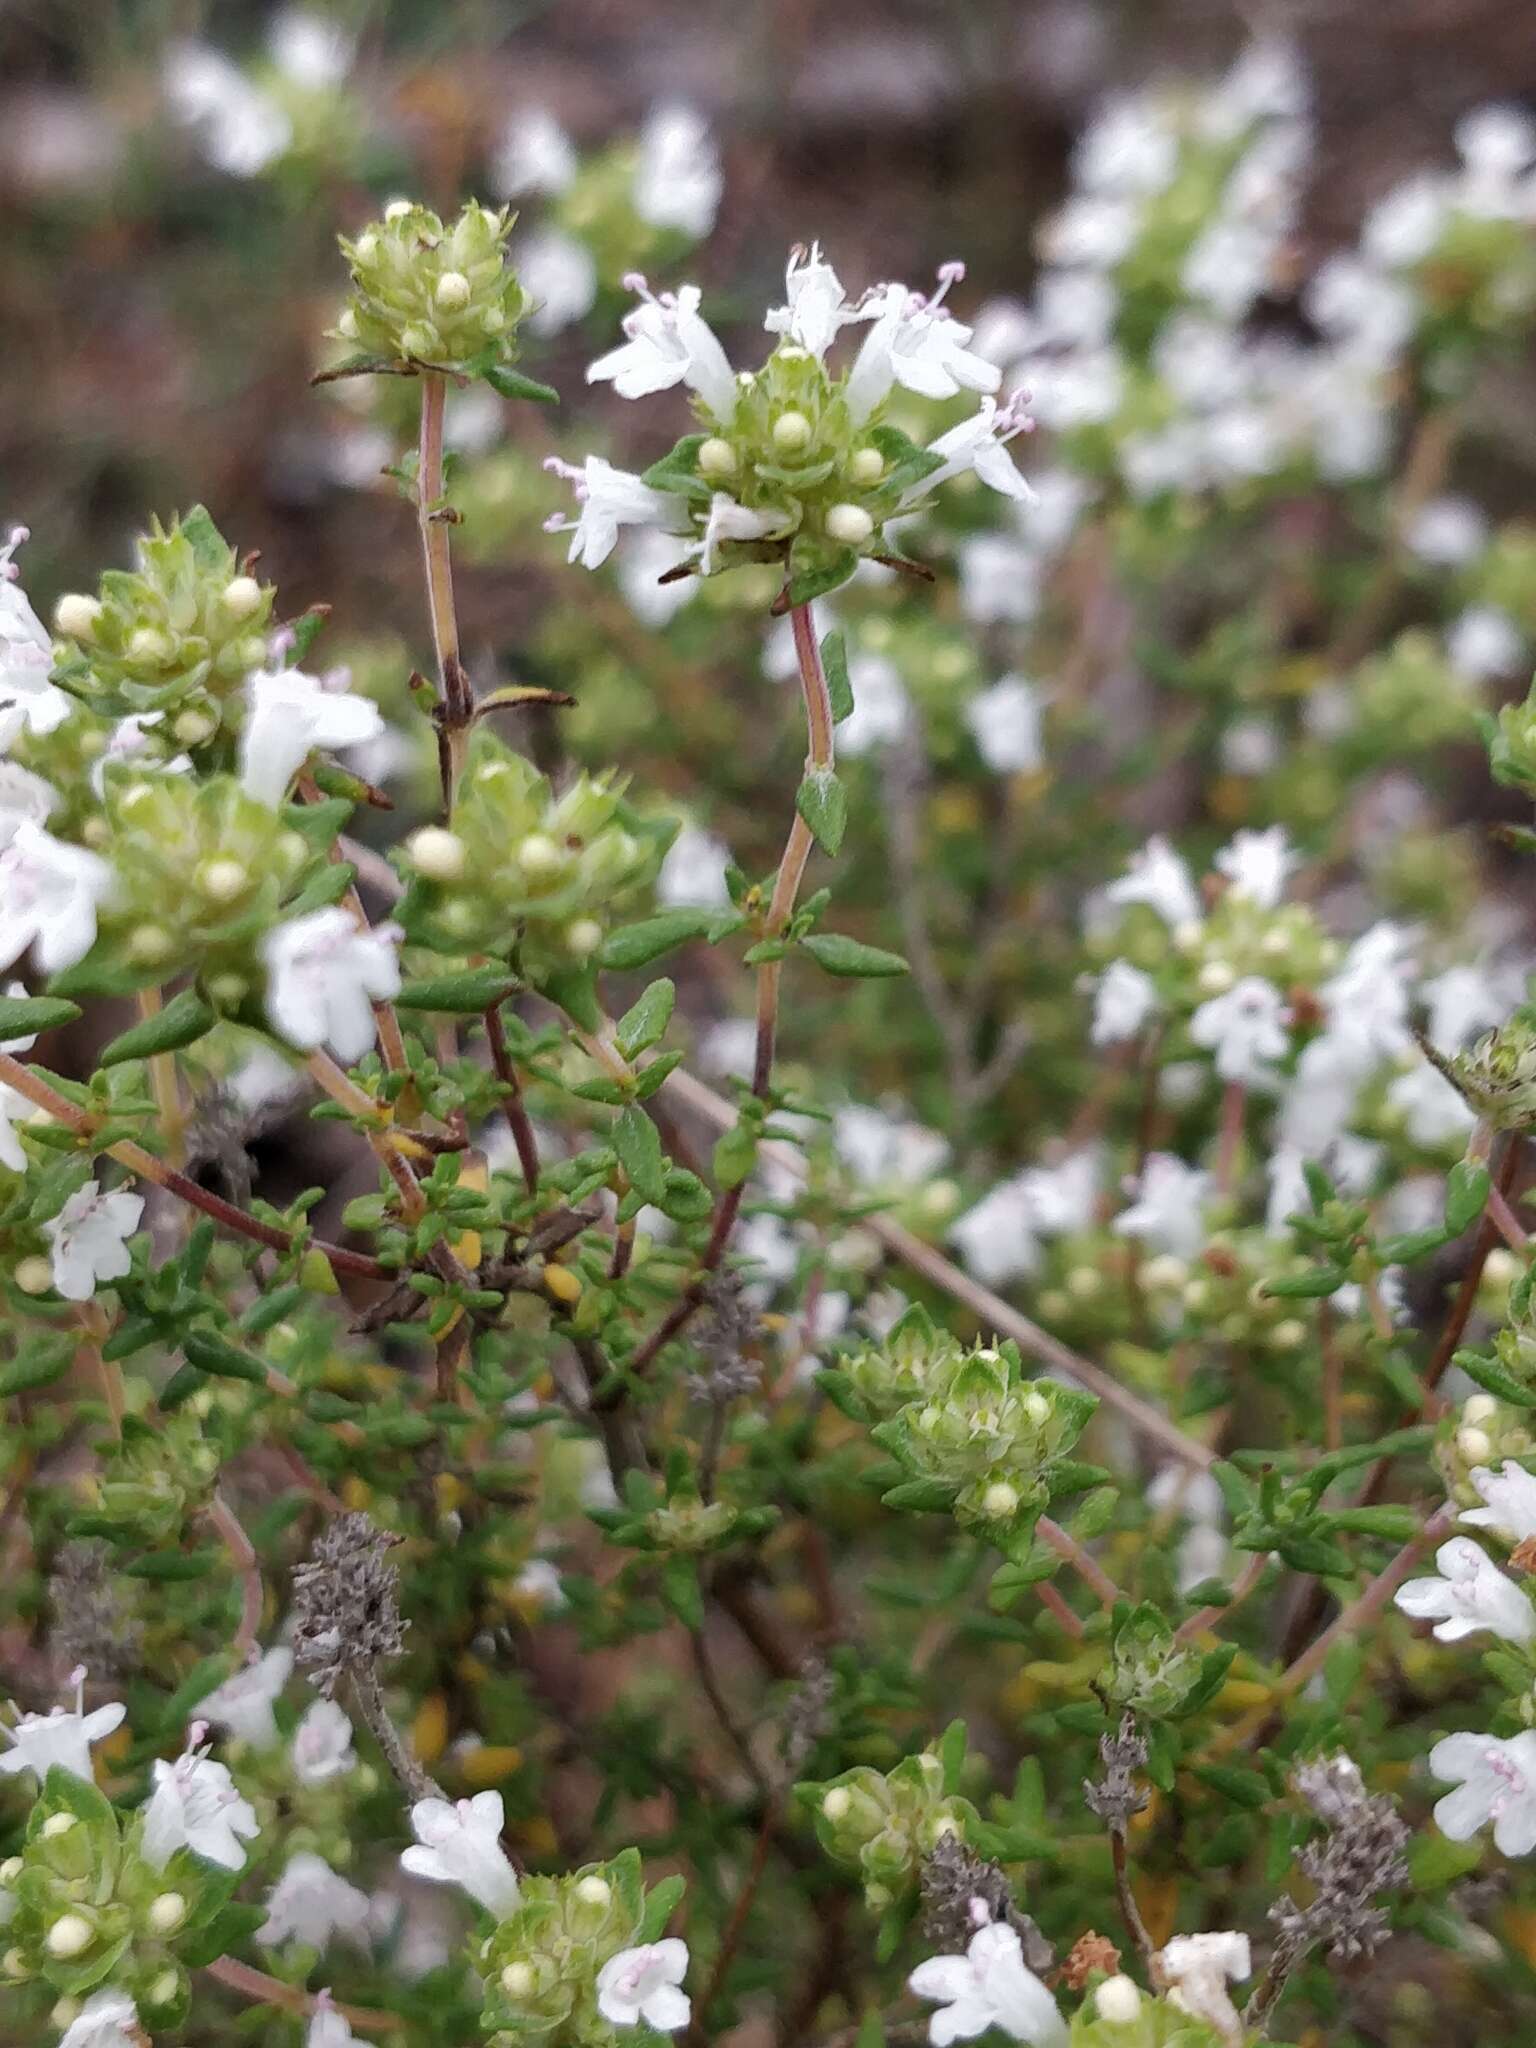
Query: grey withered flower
[960, 1890]
[1360, 1857]
[1116, 1796]
[346, 1604]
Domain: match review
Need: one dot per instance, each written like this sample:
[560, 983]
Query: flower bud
[242, 596]
[517, 1980]
[595, 1891]
[791, 432]
[850, 524]
[1479, 1408]
[837, 1803]
[716, 457]
[33, 1275]
[539, 856]
[167, 1912]
[14, 1963]
[418, 340]
[1000, 1501]
[452, 292]
[1118, 2001]
[164, 1989]
[1215, 978]
[70, 1935]
[148, 643]
[1474, 1445]
[399, 209]
[1289, 1335]
[223, 880]
[436, 853]
[75, 615]
[10, 1870]
[867, 466]
[149, 944]
[193, 727]
[57, 1824]
[583, 937]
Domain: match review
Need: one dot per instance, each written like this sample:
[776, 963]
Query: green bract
[178, 635]
[442, 297]
[883, 1825]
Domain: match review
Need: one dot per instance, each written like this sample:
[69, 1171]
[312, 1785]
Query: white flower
[461, 1844]
[1245, 1029]
[49, 893]
[1091, 230]
[242, 1705]
[694, 870]
[534, 155]
[1123, 1001]
[1256, 865]
[1158, 877]
[999, 579]
[1448, 532]
[1433, 1112]
[1498, 146]
[668, 342]
[677, 179]
[1197, 1967]
[989, 1986]
[881, 709]
[1367, 1002]
[322, 1744]
[129, 738]
[1401, 229]
[997, 1237]
[609, 498]
[816, 309]
[314, 53]
[914, 342]
[312, 1904]
[1497, 1782]
[1509, 1499]
[886, 1151]
[1005, 724]
[1062, 1198]
[62, 1736]
[27, 698]
[196, 1805]
[24, 798]
[1126, 147]
[89, 1239]
[1484, 642]
[323, 976]
[540, 1581]
[1470, 1593]
[979, 443]
[240, 128]
[329, 2028]
[649, 555]
[642, 1985]
[1166, 1212]
[560, 276]
[288, 714]
[108, 2019]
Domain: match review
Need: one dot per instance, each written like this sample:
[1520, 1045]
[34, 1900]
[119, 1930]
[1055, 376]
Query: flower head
[1245, 1029]
[989, 1986]
[62, 1736]
[461, 1844]
[195, 1805]
[1158, 878]
[322, 1745]
[980, 443]
[815, 309]
[89, 1239]
[27, 698]
[323, 977]
[1197, 1967]
[916, 342]
[677, 179]
[1123, 1001]
[1256, 865]
[641, 1986]
[1470, 1593]
[1166, 1213]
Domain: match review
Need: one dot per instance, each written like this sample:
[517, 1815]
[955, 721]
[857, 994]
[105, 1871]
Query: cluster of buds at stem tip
[519, 868]
[176, 636]
[434, 296]
[795, 463]
[887, 1825]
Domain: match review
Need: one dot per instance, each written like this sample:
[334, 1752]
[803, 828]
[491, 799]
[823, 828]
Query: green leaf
[185, 1019]
[635, 1140]
[834, 663]
[211, 1354]
[680, 1589]
[1307, 1286]
[575, 990]
[823, 803]
[471, 993]
[637, 945]
[641, 1025]
[1482, 1367]
[513, 384]
[839, 954]
[25, 1016]
[1466, 1194]
[40, 1362]
[735, 1155]
[815, 571]
[210, 550]
[174, 1565]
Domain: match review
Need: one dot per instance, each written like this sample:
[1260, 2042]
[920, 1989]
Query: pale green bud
[716, 457]
[452, 291]
[867, 466]
[850, 524]
[33, 1275]
[242, 596]
[167, 1912]
[791, 432]
[75, 615]
[437, 853]
[69, 1936]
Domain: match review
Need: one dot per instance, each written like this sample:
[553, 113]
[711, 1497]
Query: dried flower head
[91, 1621]
[346, 1602]
[1116, 1796]
[1359, 1857]
[962, 1891]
